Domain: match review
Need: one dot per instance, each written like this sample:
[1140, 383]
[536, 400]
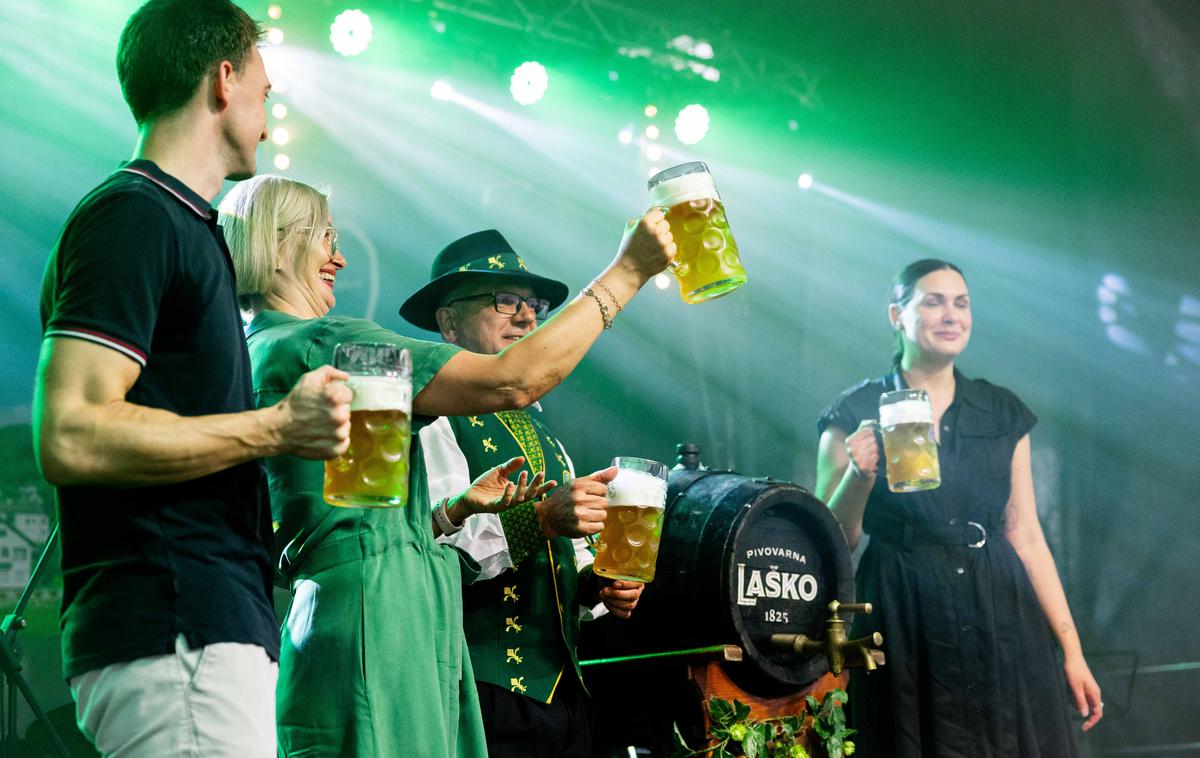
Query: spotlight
[625, 136]
[651, 132]
[662, 281]
[351, 32]
[441, 90]
[274, 11]
[651, 111]
[528, 83]
[691, 124]
[280, 136]
[653, 170]
[275, 35]
[703, 50]
[282, 161]
[279, 110]
[653, 153]
[804, 181]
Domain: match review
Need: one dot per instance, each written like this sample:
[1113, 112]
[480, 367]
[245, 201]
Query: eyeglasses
[330, 233]
[508, 303]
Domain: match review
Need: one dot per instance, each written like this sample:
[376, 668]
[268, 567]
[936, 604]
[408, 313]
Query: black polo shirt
[141, 267]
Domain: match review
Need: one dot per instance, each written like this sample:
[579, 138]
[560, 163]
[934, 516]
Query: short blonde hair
[260, 218]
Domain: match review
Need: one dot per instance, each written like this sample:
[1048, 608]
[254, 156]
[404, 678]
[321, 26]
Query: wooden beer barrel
[740, 559]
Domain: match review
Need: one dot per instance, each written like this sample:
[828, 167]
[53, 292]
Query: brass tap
[840, 652]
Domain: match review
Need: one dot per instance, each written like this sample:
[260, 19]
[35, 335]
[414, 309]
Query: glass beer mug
[627, 548]
[906, 420]
[707, 261]
[373, 472]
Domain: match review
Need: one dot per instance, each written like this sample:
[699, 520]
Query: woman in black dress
[965, 590]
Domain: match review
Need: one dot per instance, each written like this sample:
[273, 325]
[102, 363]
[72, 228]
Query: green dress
[373, 661]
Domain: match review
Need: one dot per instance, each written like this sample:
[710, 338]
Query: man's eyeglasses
[508, 303]
[330, 234]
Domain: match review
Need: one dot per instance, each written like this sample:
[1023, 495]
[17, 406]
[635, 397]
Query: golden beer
[373, 472]
[707, 261]
[628, 546]
[906, 420]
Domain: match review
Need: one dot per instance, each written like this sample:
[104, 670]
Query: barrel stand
[712, 681]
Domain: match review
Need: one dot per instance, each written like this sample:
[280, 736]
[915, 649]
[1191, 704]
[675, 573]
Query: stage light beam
[279, 110]
[804, 181]
[282, 161]
[351, 32]
[441, 90]
[529, 82]
[275, 35]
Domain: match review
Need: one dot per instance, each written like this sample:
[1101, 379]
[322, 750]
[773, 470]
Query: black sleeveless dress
[972, 668]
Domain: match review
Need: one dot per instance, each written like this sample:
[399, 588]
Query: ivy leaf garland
[733, 733]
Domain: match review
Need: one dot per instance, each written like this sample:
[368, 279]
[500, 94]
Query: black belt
[952, 532]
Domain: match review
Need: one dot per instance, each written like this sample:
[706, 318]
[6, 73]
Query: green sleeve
[427, 357]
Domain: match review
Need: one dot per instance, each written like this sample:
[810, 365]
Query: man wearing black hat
[522, 615]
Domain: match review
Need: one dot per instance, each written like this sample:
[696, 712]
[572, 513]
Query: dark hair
[902, 290]
[168, 47]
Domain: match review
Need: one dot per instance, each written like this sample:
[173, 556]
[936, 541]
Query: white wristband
[442, 518]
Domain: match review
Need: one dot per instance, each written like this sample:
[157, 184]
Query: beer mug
[706, 260]
[373, 472]
[906, 420]
[627, 548]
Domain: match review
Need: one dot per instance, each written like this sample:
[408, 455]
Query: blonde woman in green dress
[373, 660]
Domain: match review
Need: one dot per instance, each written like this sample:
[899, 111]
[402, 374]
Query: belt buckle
[982, 535]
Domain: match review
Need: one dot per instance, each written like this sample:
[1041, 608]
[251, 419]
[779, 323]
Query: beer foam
[637, 488]
[380, 393]
[683, 188]
[906, 412]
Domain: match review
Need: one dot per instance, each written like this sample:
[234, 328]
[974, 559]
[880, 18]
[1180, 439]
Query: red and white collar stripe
[202, 213]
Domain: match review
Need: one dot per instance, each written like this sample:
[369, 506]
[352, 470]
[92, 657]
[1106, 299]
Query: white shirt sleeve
[482, 535]
[583, 556]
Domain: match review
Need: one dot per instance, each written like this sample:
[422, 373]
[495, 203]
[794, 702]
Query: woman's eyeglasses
[330, 234]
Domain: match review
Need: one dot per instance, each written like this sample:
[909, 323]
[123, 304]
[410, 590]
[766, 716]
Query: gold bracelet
[603, 308]
[604, 287]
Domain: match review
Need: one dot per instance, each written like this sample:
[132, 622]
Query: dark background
[1051, 149]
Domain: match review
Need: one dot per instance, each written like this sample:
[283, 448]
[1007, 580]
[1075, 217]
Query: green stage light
[351, 32]
[529, 82]
[691, 124]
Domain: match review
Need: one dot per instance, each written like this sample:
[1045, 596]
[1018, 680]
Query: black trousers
[521, 727]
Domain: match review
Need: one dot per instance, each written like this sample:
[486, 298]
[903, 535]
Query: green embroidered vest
[521, 626]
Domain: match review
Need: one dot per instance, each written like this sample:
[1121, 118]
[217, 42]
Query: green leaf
[838, 696]
[834, 746]
[822, 731]
[681, 748]
[721, 752]
[755, 743]
[786, 733]
[813, 705]
[721, 711]
[741, 711]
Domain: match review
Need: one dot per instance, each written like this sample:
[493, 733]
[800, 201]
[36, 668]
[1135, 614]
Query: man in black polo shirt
[142, 411]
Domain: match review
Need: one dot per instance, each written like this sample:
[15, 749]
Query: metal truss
[604, 25]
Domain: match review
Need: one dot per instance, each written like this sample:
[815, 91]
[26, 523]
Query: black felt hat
[484, 253]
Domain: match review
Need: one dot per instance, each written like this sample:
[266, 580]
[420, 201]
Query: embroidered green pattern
[520, 426]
